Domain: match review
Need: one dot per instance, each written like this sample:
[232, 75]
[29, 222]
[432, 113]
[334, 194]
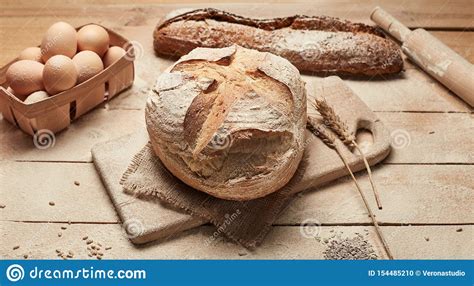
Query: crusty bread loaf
[312, 44]
[229, 122]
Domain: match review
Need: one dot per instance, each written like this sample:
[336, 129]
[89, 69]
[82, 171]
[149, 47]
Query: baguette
[229, 122]
[312, 44]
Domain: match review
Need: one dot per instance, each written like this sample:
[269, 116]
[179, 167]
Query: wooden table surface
[426, 184]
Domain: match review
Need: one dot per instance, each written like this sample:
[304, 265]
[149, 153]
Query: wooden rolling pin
[434, 57]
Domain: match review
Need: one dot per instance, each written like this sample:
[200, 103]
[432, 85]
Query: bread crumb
[2, 206]
[52, 203]
[25, 256]
[77, 183]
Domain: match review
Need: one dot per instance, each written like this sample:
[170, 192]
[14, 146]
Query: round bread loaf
[229, 122]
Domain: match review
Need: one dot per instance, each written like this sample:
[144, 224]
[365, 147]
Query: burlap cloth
[244, 222]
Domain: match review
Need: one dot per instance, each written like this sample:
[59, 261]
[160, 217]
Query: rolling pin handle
[389, 24]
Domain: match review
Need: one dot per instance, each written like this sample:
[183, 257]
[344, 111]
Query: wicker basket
[57, 112]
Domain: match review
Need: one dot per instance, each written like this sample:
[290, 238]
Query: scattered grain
[25, 256]
[16, 247]
[427, 238]
[2, 206]
[77, 183]
[350, 248]
[63, 227]
[108, 248]
[52, 203]
[60, 234]
[89, 241]
[85, 237]
[459, 229]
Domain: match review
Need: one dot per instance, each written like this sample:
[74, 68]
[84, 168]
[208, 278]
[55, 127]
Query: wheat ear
[330, 141]
[338, 126]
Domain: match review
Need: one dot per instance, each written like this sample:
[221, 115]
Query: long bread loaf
[312, 44]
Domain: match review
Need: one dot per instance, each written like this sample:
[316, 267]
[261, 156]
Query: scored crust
[312, 44]
[229, 122]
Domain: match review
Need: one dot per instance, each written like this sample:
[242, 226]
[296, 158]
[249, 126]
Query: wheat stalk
[338, 126]
[321, 132]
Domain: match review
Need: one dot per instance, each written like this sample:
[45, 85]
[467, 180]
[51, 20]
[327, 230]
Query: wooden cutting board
[153, 220]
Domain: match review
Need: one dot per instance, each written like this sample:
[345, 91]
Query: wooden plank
[439, 194]
[433, 138]
[410, 194]
[428, 138]
[28, 199]
[40, 241]
[424, 13]
[74, 143]
[412, 90]
[444, 242]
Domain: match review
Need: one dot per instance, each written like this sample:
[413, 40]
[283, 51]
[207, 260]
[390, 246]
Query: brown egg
[59, 74]
[113, 54]
[31, 53]
[36, 96]
[60, 39]
[93, 38]
[25, 77]
[88, 64]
